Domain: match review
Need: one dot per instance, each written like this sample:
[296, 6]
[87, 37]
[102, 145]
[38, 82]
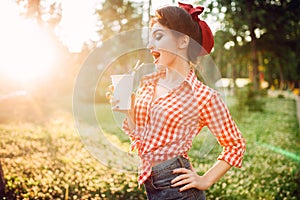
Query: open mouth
[155, 55]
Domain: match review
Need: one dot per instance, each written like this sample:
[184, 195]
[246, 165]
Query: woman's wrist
[215, 173]
[207, 182]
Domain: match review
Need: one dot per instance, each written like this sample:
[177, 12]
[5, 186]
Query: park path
[298, 109]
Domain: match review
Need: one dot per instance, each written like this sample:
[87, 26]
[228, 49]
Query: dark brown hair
[179, 20]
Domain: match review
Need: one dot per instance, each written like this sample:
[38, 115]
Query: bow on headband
[207, 36]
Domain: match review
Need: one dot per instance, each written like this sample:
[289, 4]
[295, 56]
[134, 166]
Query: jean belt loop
[181, 161]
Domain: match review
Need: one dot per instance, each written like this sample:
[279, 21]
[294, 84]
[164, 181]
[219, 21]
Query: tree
[241, 20]
[268, 27]
[230, 58]
[280, 42]
[117, 16]
[116, 52]
[37, 9]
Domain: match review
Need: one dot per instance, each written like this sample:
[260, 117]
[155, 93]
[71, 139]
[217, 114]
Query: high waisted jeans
[158, 185]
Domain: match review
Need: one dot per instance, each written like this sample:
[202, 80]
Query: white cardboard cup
[123, 87]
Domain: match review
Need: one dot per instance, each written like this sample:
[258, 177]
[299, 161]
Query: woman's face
[163, 46]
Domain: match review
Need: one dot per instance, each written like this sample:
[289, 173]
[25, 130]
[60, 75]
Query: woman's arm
[190, 179]
[216, 116]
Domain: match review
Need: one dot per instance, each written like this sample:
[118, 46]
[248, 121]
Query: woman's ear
[183, 42]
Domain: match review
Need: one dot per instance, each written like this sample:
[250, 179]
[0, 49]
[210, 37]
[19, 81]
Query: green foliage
[119, 16]
[48, 161]
[249, 99]
[272, 25]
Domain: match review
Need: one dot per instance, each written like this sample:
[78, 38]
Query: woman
[172, 106]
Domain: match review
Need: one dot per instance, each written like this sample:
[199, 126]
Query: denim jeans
[158, 185]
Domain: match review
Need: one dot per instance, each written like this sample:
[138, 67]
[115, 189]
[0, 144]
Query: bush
[250, 99]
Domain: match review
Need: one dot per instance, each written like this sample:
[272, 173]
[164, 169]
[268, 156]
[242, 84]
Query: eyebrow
[157, 31]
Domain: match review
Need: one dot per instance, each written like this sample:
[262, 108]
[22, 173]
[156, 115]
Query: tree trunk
[253, 44]
[281, 77]
[234, 78]
[254, 61]
[2, 182]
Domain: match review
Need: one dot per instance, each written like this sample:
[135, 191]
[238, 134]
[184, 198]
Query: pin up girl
[172, 106]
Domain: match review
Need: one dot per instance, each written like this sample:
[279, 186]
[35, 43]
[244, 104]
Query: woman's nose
[150, 44]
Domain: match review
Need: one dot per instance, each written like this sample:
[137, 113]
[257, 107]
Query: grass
[269, 171]
[49, 161]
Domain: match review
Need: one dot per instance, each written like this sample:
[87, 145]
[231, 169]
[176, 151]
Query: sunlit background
[39, 37]
[29, 51]
[45, 43]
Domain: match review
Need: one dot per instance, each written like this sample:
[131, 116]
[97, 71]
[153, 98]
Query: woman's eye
[158, 36]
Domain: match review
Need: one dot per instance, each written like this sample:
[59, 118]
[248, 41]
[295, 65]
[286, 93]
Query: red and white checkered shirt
[165, 126]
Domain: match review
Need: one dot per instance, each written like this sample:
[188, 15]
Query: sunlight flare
[27, 51]
[286, 153]
[78, 24]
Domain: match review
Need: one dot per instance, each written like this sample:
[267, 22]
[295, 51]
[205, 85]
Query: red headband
[207, 36]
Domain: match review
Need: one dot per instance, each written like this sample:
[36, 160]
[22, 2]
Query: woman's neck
[177, 72]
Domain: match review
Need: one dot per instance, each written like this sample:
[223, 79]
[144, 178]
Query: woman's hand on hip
[189, 179]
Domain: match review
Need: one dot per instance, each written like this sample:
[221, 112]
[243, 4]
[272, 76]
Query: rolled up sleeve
[217, 118]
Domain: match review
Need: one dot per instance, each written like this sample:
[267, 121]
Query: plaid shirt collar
[191, 78]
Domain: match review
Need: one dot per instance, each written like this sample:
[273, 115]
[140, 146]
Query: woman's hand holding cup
[130, 114]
